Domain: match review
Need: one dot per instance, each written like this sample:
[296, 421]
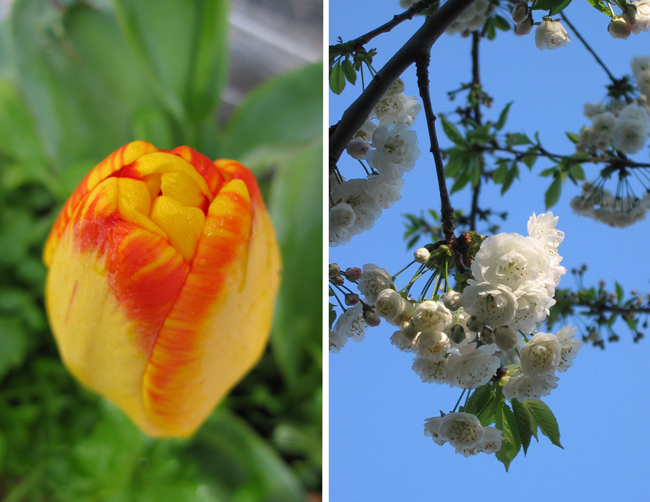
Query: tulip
[163, 271]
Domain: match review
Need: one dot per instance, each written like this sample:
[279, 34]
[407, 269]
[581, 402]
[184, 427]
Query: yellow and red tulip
[163, 271]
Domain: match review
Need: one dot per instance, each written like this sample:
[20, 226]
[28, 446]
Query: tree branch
[358, 112]
[476, 81]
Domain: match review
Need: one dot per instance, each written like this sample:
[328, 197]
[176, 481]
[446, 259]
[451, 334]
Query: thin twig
[407, 15]
[588, 47]
[476, 82]
[447, 212]
[354, 117]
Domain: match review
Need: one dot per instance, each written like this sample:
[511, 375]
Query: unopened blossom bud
[353, 274]
[506, 338]
[358, 148]
[409, 330]
[351, 299]
[473, 324]
[618, 28]
[457, 334]
[421, 255]
[334, 270]
[525, 27]
[487, 336]
[452, 300]
[337, 280]
[371, 317]
[499, 374]
[520, 12]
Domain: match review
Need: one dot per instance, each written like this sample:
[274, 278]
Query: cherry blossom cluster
[620, 127]
[486, 333]
[389, 148]
[599, 204]
[634, 18]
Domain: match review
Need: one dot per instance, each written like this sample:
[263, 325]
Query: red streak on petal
[203, 166]
[74, 291]
[173, 378]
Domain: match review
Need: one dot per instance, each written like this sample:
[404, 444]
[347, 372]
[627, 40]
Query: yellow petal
[182, 224]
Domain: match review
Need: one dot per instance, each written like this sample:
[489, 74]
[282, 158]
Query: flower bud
[409, 330]
[457, 334]
[451, 299]
[525, 27]
[506, 338]
[353, 274]
[334, 270]
[371, 317]
[422, 255]
[473, 324]
[520, 12]
[158, 263]
[351, 299]
[487, 336]
[619, 29]
[551, 35]
[337, 280]
[358, 148]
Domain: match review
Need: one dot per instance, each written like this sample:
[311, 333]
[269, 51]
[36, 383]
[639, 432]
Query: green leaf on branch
[548, 172]
[502, 23]
[337, 78]
[503, 117]
[510, 176]
[599, 5]
[451, 131]
[516, 138]
[511, 444]
[573, 137]
[619, 293]
[577, 172]
[525, 424]
[545, 420]
[560, 7]
[348, 71]
[553, 193]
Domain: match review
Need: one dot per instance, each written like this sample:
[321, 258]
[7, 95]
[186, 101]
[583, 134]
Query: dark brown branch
[355, 116]
[476, 82]
[407, 15]
[447, 212]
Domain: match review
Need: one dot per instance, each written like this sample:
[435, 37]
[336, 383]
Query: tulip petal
[110, 165]
[110, 287]
[218, 316]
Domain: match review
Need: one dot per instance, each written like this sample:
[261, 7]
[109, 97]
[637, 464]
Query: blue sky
[378, 404]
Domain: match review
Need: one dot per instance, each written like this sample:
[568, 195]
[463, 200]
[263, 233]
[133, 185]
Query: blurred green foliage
[78, 79]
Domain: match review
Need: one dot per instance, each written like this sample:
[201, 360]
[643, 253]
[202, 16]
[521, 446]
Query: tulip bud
[163, 271]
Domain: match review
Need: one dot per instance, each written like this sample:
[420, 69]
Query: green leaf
[619, 293]
[510, 177]
[545, 420]
[348, 71]
[279, 119]
[499, 174]
[560, 7]
[516, 138]
[553, 193]
[524, 423]
[573, 137]
[599, 5]
[529, 160]
[503, 117]
[337, 78]
[506, 422]
[502, 23]
[577, 172]
[490, 28]
[460, 183]
[548, 172]
[228, 445]
[181, 48]
[296, 209]
[452, 131]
